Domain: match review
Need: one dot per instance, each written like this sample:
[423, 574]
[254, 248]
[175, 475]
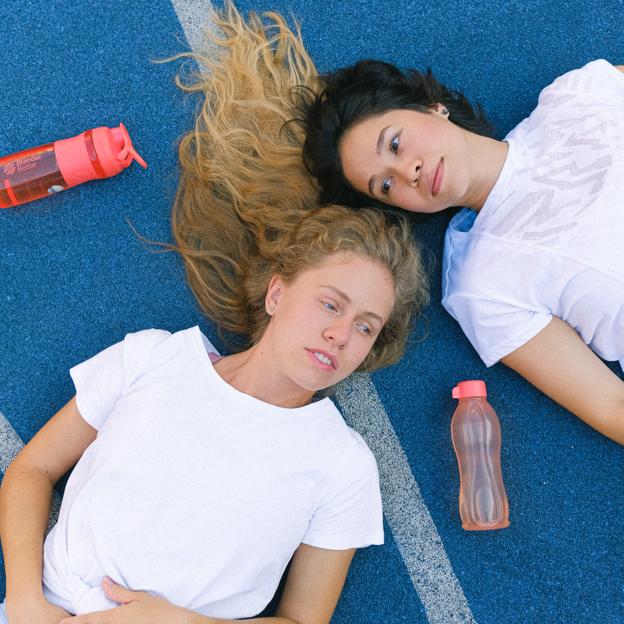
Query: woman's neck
[254, 372]
[488, 158]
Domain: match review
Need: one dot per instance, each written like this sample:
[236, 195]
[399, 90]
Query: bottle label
[32, 175]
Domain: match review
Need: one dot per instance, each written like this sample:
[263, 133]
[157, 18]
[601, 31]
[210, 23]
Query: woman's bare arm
[314, 583]
[312, 589]
[25, 498]
[562, 366]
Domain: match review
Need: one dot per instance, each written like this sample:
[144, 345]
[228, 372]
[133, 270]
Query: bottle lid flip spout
[127, 153]
[114, 149]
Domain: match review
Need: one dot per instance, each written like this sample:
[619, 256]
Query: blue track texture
[74, 278]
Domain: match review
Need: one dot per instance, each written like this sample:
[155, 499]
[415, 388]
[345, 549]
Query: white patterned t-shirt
[549, 240]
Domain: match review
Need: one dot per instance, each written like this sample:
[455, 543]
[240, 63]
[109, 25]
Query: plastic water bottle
[476, 435]
[48, 169]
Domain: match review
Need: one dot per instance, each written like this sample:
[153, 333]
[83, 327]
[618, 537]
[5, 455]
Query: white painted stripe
[406, 512]
[10, 445]
[195, 18]
[411, 523]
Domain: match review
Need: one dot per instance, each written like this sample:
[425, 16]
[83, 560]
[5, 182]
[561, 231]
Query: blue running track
[74, 279]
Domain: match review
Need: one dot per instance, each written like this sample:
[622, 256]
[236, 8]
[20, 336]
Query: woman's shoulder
[152, 338]
[560, 103]
[343, 442]
[463, 246]
[584, 80]
[489, 261]
[152, 346]
[360, 450]
[354, 462]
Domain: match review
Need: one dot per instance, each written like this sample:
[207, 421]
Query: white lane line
[411, 523]
[195, 17]
[406, 512]
[10, 445]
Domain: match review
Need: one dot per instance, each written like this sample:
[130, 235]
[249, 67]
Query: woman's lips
[437, 178]
[330, 362]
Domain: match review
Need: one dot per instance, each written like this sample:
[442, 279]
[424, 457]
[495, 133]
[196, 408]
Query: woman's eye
[365, 329]
[394, 144]
[329, 306]
[385, 186]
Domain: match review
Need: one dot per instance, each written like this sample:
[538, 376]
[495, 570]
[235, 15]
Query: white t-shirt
[197, 492]
[549, 240]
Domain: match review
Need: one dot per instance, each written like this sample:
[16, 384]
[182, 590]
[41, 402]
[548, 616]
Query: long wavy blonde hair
[246, 208]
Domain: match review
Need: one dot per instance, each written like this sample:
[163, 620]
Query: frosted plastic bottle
[476, 435]
[48, 169]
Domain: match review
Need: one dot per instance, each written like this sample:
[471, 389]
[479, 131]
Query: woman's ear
[440, 110]
[274, 292]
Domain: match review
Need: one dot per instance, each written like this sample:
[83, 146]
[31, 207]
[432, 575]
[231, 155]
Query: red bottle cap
[472, 388]
[98, 153]
[114, 149]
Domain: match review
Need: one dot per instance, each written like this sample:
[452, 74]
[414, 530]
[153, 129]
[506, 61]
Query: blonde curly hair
[246, 208]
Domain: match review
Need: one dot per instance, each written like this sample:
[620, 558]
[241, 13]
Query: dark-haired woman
[533, 267]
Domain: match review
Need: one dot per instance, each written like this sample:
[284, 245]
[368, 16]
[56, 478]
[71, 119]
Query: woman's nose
[411, 169]
[338, 333]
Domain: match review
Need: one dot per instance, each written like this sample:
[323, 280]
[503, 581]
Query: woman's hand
[40, 611]
[135, 608]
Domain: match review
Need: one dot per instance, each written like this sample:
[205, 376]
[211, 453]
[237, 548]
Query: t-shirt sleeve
[494, 327]
[103, 379]
[597, 79]
[349, 514]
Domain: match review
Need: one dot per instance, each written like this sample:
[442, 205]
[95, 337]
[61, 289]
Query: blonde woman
[198, 477]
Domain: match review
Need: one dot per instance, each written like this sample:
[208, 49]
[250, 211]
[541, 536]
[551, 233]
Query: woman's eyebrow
[339, 292]
[374, 316]
[380, 142]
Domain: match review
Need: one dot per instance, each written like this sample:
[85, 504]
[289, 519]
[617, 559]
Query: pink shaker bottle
[48, 169]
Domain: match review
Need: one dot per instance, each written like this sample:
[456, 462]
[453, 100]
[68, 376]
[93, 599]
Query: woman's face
[414, 160]
[326, 320]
